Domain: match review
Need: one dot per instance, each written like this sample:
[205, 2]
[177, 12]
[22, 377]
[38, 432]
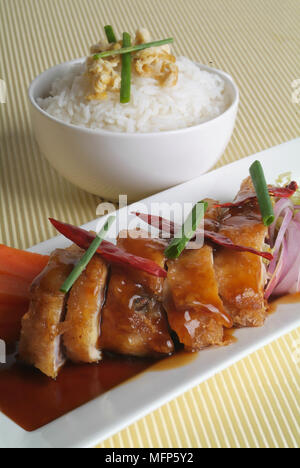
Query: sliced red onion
[279, 209]
[289, 285]
[279, 240]
[277, 273]
[291, 239]
[285, 268]
[289, 280]
[297, 285]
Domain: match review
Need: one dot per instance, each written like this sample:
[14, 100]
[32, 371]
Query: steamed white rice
[199, 96]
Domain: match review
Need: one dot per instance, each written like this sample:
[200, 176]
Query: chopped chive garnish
[126, 71]
[87, 257]
[110, 34]
[187, 232]
[136, 48]
[262, 192]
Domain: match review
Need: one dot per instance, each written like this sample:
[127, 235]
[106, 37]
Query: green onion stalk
[262, 192]
[126, 71]
[87, 257]
[187, 232]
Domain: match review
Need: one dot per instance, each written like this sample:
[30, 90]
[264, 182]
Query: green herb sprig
[126, 52]
[126, 71]
[87, 257]
[131, 49]
[187, 232]
[110, 35]
[262, 192]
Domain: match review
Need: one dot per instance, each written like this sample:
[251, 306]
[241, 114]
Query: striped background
[256, 402]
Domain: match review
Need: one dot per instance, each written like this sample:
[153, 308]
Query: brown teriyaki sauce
[33, 400]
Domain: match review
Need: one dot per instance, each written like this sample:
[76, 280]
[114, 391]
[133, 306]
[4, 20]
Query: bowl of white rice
[162, 137]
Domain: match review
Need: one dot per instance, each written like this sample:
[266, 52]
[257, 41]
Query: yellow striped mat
[255, 403]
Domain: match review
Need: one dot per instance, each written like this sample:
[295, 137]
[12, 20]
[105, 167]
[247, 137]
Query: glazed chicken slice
[242, 276]
[40, 343]
[133, 319]
[195, 310]
[138, 244]
[81, 338]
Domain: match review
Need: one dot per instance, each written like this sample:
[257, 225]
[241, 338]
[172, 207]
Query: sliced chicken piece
[241, 276]
[195, 310]
[138, 244]
[133, 322]
[40, 343]
[81, 339]
[133, 319]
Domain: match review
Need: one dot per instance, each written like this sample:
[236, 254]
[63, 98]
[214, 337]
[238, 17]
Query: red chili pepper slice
[107, 250]
[170, 227]
[278, 192]
[284, 192]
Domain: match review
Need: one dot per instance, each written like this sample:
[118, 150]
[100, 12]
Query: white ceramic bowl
[137, 164]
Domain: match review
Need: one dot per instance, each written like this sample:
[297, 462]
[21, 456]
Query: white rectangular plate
[104, 416]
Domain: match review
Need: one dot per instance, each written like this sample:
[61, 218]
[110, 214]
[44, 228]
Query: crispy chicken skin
[241, 276]
[84, 312]
[40, 343]
[133, 319]
[195, 310]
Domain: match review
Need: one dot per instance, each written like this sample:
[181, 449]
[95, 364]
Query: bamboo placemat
[254, 403]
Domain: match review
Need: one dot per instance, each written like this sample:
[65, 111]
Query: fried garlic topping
[105, 73]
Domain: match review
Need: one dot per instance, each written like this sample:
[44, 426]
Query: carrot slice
[17, 271]
[21, 263]
[13, 290]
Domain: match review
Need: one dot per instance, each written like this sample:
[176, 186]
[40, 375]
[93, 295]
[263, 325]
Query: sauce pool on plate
[32, 400]
[289, 299]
